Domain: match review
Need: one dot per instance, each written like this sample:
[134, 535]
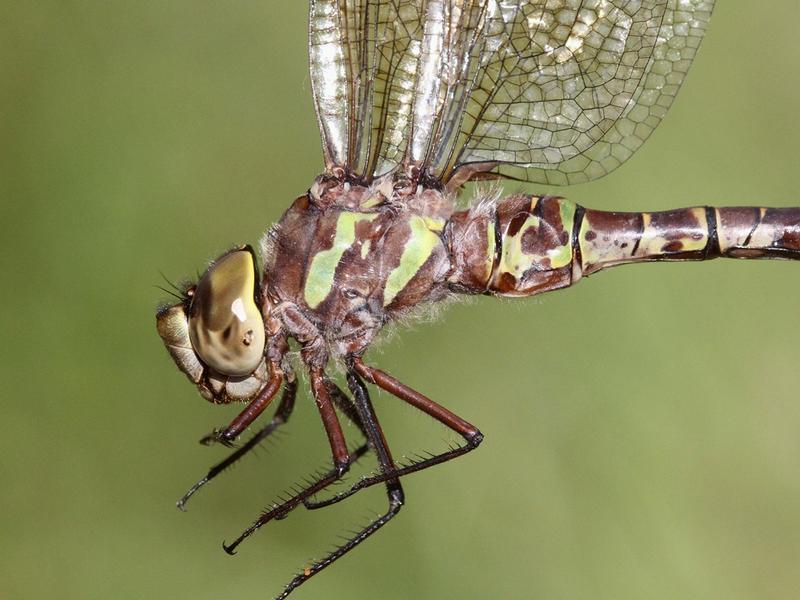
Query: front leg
[394, 491]
[243, 420]
[281, 416]
[472, 436]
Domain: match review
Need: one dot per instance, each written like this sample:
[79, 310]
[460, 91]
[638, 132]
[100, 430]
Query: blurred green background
[642, 430]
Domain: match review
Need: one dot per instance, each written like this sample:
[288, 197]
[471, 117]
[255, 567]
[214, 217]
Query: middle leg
[472, 436]
[394, 491]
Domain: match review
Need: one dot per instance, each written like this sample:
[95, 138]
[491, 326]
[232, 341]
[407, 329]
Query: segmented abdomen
[525, 245]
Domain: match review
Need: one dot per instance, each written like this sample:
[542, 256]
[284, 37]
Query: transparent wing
[552, 91]
[567, 91]
[364, 56]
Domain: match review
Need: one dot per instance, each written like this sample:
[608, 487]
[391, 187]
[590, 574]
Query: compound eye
[225, 324]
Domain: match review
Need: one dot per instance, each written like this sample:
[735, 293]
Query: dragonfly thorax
[346, 259]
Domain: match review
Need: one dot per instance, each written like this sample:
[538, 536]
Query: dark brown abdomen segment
[607, 239]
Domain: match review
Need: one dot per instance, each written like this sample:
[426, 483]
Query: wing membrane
[364, 56]
[551, 91]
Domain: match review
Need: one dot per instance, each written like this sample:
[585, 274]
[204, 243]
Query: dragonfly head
[216, 334]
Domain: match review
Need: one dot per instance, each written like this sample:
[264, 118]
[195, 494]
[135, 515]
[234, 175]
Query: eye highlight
[225, 324]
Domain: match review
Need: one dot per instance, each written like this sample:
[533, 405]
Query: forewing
[364, 56]
[552, 91]
[568, 90]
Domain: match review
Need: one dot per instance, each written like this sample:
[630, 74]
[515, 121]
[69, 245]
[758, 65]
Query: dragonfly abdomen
[520, 246]
[606, 239]
[526, 245]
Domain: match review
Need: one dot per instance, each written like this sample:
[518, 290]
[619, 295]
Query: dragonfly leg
[281, 416]
[251, 412]
[342, 459]
[345, 406]
[394, 490]
[472, 436]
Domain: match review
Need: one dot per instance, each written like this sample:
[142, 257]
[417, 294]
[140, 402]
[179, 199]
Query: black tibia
[332, 396]
[394, 491]
[282, 414]
[472, 436]
[345, 405]
[369, 422]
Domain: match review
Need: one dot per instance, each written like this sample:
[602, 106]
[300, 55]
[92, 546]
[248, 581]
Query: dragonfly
[415, 98]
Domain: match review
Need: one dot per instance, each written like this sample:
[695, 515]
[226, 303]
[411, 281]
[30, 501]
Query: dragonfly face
[414, 99]
[216, 335]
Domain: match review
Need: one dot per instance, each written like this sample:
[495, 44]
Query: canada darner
[413, 100]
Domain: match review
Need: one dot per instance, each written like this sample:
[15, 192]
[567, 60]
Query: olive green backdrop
[642, 430]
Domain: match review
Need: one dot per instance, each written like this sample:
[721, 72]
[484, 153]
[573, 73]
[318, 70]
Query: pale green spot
[365, 248]
[372, 202]
[489, 248]
[589, 250]
[319, 281]
[562, 256]
[434, 223]
[559, 257]
[418, 248]
[513, 259]
[567, 210]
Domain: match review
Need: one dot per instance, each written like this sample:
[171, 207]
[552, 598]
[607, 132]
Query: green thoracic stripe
[418, 248]
[319, 280]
